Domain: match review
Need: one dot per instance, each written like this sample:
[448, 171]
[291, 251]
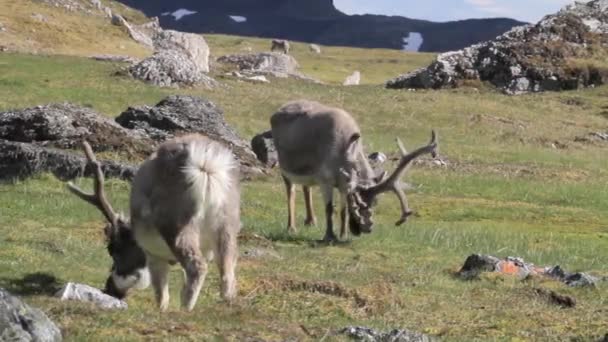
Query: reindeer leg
[291, 205]
[158, 273]
[328, 194]
[190, 257]
[227, 254]
[311, 220]
[343, 216]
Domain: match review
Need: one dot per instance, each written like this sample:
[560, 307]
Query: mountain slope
[317, 21]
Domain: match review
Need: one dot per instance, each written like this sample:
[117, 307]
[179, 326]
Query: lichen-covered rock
[65, 125]
[275, 64]
[189, 114]
[20, 160]
[353, 79]
[194, 45]
[20, 322]
[528, 58]
[180, 59]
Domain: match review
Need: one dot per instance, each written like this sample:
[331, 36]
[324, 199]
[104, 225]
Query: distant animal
[321, 145]
[185, 208]
[281, 45]
[315, 48]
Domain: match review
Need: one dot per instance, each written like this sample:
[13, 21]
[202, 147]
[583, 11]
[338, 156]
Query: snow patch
[180, 13]
[238, 18]
[413, 42]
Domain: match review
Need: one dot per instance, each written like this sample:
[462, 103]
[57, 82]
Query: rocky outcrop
[554, 54]
[65, 125]
[20, 322]
[43, 138]
[21, 160]
[176, 115]
[180, 59]
[265, 63]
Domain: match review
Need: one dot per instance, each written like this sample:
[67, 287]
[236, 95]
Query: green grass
[506, 191]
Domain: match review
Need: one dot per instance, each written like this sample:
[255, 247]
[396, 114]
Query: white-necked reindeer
[185, 208]
[321, 145]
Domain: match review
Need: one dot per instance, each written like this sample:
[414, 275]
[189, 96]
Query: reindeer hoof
[404, 218]
[292, 230]
[310, 222]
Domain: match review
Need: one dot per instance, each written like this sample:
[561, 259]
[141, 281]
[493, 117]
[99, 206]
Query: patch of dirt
[328, 288]
[555, 298]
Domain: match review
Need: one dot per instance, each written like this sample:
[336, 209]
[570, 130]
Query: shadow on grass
[38, 283]
[284, 236]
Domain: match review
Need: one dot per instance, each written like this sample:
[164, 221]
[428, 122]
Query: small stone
[86, 293]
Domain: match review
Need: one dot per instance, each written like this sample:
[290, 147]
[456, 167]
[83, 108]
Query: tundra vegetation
[518, 182]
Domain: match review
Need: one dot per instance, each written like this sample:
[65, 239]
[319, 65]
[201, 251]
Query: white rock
[86, 293]
[353, 79]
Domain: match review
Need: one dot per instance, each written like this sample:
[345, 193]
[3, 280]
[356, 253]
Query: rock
[315, 48]
[115, 58]
[86, 293]
[476, 264]
[65, 125]
[180, 114]
[39, 17]
[170, 69]
[137, 33]
[395, 335]
[580, 280]
[20, 160]
[180, 59]
[20, 322]
[193, 45]
[2, 28]
[259, 253]
[353, 79]
[96, 4]
[275, 64]
[263, 147]
[529, 58]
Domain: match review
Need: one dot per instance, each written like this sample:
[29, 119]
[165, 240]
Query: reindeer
[184, 209]
[280, 44]
[321, 145]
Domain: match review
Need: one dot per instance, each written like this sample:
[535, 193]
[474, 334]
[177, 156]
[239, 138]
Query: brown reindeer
[281, 45]
[321, 145]
[185, 208]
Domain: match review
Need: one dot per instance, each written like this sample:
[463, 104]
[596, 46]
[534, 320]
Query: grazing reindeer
[280, 44]
[320, 145]
[184, 208]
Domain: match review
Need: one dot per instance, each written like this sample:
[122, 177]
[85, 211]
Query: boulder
[180, 59]
[115, 58]
[65, 125]
[264, 149]
[193, 45]
[179, 114]
[272, 63]
[353, 79]
[529, 58]
[20, 322]
[20, 160]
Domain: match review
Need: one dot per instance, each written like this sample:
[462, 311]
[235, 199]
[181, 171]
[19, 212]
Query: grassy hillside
[517, 184]
[64, 32]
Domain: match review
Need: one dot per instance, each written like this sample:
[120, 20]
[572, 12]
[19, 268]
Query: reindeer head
[363, 186]
[129, 268]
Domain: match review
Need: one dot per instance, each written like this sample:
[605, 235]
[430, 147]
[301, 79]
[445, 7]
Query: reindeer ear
[351, 149]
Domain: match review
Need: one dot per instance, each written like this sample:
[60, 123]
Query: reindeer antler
[98, 198]
[392, 183]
